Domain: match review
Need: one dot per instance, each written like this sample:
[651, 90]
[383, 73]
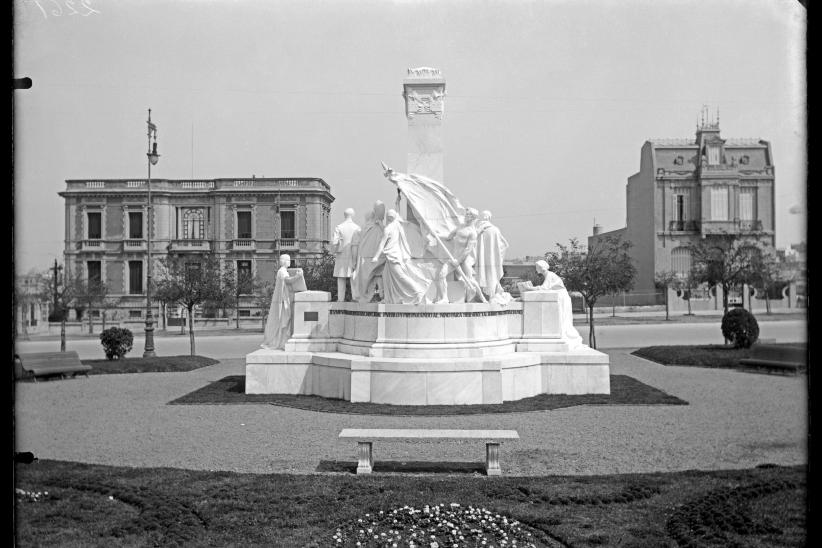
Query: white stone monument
[424, 344]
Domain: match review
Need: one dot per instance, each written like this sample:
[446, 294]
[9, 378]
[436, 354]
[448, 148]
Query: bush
[740, 327]
[116, 342]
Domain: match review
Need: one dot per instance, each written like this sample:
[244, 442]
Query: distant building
[32, 307]
[690, 189]
[248, 222]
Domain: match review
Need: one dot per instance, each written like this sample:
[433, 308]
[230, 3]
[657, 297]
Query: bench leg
[366, 460]
[492, 459]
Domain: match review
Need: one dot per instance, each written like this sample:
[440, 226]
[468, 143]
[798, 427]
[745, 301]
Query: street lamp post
[153, 157]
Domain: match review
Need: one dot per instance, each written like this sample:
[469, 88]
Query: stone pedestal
[449, 354]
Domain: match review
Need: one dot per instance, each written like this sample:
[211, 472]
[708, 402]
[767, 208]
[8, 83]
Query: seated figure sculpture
[279, 324]
[403, 283]
[552, 282]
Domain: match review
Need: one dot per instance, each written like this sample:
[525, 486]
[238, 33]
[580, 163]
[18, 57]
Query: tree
[241, 283]
[30, 289]
[64, 293]
[664, 280]
[192, 281]
[319, 274]
[90, 294]
[725, 260]
[765, 273]
[687, 283]
[605, 268]
[106, 304]
[263, 292]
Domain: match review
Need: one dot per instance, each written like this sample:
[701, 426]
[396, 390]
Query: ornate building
[248, 222]
[690, 189]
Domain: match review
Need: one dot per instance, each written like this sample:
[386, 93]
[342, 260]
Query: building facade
[690, 189]
[247, 222]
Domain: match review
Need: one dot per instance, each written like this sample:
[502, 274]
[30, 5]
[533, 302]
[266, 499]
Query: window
[680, 207]
[135, 314]
[94, 272]
[95, 225]
[244, 276]
[745, 160]
[244, 313]
[192, 271]
[287, 224]
[713, 155]
[135, 225]
[681, 260]
[747, 204]
[244, 224]
[193, 224]
[719, 204]
[135, 277]
[94, 313]
[679, 160]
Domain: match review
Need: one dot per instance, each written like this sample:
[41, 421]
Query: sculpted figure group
[395, 261]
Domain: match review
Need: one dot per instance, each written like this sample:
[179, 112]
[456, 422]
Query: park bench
[773, 358]
[366, 436]
[44, 364]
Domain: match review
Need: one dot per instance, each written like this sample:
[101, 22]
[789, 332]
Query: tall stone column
[424, 93]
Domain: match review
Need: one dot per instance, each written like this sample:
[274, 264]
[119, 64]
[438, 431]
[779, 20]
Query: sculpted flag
[437, 208]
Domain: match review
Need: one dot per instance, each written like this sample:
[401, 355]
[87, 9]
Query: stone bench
[366, 436]
[782, 359]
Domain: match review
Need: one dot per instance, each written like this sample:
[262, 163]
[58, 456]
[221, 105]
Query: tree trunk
[63, 334]
[191, 331]
[592, 338]
[767, 303]
[104, 320]
[163, 309]
[667, 317]
[725, 299]
[237, 312]
[690, 313]
[90, 322]
[183, 324]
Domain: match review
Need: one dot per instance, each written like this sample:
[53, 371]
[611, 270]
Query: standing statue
[367, 275]
[552, 282]
[346, 237]
[279, 323]
[403, 283]
[465, 247]
[491, 247]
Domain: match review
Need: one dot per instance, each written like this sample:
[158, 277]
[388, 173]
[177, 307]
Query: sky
[548, 102]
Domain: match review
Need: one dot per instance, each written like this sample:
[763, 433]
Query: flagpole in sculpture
[388, 172]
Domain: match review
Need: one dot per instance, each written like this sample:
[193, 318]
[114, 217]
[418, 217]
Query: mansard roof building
[689, 189]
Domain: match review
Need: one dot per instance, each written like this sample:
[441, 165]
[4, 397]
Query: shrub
[740, 327]
[116, 342]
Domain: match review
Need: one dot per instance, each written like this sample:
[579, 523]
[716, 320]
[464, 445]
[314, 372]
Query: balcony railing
[288, 243]
[750, 226]
[683, 226]
[134, 244]
[91, 245]
[244, 244]
[190, 245]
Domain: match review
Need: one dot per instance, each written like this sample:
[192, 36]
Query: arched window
[681, 260]
[193, 226]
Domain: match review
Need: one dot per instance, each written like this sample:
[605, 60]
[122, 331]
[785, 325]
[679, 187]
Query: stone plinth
[449, 354]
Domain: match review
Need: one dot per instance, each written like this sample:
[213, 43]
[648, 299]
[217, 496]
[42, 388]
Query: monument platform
[439, 354]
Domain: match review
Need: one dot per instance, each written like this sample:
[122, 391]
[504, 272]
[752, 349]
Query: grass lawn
[709, 355]
[624, 390]
[95, 505]
[158, 364]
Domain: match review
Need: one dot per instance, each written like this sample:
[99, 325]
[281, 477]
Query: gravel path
[734, 420]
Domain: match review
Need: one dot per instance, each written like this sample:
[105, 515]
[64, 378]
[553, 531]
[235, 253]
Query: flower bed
[437, 526]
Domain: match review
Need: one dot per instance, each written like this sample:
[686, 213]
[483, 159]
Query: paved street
[608, 336]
